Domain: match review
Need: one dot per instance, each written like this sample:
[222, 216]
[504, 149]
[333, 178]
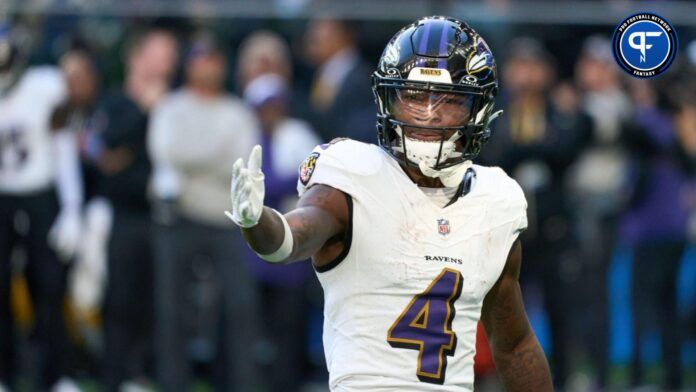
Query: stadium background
[102, 27]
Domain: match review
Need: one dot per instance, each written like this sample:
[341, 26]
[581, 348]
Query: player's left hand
[247, 190]
[88, 276]
[64, 236]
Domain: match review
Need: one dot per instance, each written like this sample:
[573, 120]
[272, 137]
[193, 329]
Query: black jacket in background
[122, 124]
[353, 113]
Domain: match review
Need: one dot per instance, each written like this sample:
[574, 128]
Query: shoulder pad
[46, 82]
[43, 75]
[350, 155]
[505, 194]
[494, 180]
[338, 163]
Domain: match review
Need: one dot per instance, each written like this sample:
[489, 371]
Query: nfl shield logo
[443, 226]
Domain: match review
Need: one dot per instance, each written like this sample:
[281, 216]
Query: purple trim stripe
[443, 47]
[424, 39]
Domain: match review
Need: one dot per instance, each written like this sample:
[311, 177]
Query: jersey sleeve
[515, 210]
[340, 164]
[322, 166]
[45, 83]
[518, 204]
[507, 209]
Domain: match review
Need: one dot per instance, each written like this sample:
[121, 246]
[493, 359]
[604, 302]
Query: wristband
[285, 248]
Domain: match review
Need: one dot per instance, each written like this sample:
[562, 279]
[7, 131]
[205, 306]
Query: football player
[412, 243]
[40, 201]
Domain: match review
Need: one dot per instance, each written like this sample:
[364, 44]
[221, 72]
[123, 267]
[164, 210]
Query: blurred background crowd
[120, 121]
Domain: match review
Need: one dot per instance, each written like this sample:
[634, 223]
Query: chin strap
[450, 176]
[495, 115]
[461, 175]
[464, 186]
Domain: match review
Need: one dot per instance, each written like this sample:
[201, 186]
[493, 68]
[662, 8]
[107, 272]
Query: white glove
[247, 190]
[88, 276]
[64, 236]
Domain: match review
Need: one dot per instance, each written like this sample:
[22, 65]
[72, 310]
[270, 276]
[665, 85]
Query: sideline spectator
[286, 141]
[121, 126]
[40, 201]
[196, 134]
[340, 98]
[598, 184]
[539, 137]
[655, 226]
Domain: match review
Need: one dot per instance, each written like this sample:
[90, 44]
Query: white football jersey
[402, 304]
[26, 163]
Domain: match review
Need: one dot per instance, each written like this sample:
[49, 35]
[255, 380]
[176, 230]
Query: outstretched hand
[247, 190]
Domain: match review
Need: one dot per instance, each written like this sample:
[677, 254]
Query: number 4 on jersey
[426, 325]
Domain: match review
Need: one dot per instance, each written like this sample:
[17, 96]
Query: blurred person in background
[538, 138]
[287, 142]
[340, 99]
[40, 201]
[685, 127]
[72, 115]
[83, 79]
[655, 224]
[88, 271]
[196, 134]
[120, 124]
[263, 52]
[598, 184]
[684, 118]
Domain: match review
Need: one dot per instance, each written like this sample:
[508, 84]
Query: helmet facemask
[429, 125]
[438, 127]
[435, 87]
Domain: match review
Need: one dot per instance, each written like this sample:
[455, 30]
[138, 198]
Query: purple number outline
[404, 334]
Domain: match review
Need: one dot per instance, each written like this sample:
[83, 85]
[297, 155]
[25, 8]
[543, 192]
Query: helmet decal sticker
[430, 75]
[480, 60]
[391, 55]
